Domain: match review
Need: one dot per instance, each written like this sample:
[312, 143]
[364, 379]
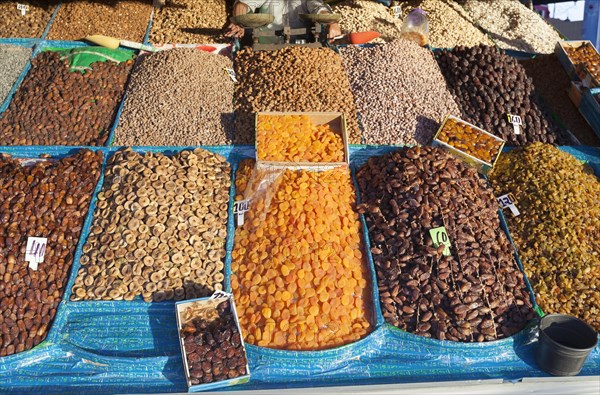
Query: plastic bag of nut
[213, 350]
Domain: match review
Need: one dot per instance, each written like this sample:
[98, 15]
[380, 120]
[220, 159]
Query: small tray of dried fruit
[301, 140]
[213, 350]
[473, 145]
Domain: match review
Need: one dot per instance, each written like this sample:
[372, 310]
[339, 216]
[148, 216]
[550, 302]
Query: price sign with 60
[440, 237]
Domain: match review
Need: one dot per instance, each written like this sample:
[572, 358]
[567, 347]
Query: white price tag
[239, 208]
[516, 122]
[396, 11]
[508, 201]
[35, 251]
[231, 74]
[23, 8]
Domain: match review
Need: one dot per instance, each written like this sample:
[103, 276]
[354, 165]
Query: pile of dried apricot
[294, 138]
[462, 136]
[299, 276]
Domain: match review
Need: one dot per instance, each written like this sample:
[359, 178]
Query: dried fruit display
[190, 22]
[489, 85]
[299, 275]
[56, 106]
[47, 199]
[293, 79]
[473, 291]
[294, 138]
[213, 346]
[31, 25]
[395, 106]
[470, 140]
[127, 20]
[585, 58]
[558, 229]
[179, 97]
[159, 228]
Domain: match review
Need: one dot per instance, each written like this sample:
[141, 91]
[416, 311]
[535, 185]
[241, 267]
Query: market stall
[360, 214]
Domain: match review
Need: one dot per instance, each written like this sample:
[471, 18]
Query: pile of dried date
[213, 347]
[476, 293]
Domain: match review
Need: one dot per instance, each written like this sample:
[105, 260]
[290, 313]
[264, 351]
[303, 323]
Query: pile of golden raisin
[299, 276]
[294, 138]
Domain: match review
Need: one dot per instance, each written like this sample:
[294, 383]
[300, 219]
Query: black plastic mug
[564, 344]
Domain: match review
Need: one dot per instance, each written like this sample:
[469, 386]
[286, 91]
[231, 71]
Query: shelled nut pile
[477, 292]
[470, 140]
[488, 85]
[213, 345]
[447, 27]
[512, 25]
[552, 83]
[294, 138]
[48, 199]
[13, 60]
[299, 276]
[55, 106]
[127, 20]
[396, 107]
[293, 79]
[367, 15]
[159, 228]
[586, 59]
[558, 229]
[190, 22]
[31, 25]
[178, 97]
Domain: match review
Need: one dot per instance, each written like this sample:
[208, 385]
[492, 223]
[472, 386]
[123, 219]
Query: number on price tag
[508, 201]
[35, 251]
[516, 122]
[231, 74]
[239, 208]
[396, 11]
[439, 237]
[23, 8]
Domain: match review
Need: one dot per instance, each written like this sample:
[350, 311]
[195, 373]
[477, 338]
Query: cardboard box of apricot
[301, 140]
[212, 346]
[473, 145]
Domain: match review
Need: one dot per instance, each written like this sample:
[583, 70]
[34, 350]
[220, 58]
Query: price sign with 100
[440, 237]
[239, 208]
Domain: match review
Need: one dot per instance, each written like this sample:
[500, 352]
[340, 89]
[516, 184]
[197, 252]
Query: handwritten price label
[231, 74]
[239, 208]
[439, 237]
[516, 121]
[508, 201]
[23, 8]
[35, 251]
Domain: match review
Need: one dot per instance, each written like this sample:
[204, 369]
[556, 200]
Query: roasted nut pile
[299, 276]
[294, 138]
[552, 83]
[558, 229]
[214, 348]
[159, 228]
[367, 15]
[46, 199]
[447, 27]
[30, 25]
[13, 60]
[293, 79]
[475, 294]
[399, 91]
[126, 20]
[54, 106]
[462, 136]
[512, 25]
[488, 85]
[178, 97]
[586, 59]
[190, 22]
